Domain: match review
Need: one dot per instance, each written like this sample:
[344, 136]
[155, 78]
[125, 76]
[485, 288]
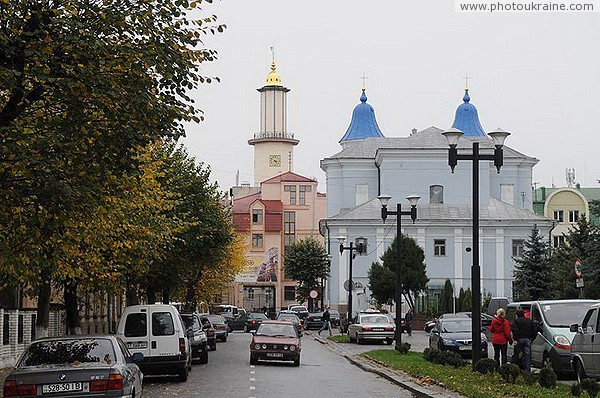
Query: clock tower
[273, 144]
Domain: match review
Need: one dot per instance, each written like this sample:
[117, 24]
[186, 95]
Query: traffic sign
[577, 267]
[313, 293]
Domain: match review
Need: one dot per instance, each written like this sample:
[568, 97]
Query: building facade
[370, 165]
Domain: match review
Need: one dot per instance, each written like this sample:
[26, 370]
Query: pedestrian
[501, 336]
[326, 318]
[408, 318]
[524, 333]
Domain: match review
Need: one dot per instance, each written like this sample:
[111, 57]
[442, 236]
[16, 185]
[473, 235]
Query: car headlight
[292, 348]
[448, 341]
[264, 346]
[285, 347]
[257, 346]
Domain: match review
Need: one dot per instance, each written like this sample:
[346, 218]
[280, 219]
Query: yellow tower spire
[273, 78]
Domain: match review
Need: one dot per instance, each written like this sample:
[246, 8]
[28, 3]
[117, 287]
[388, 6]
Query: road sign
[577, 267]
[579, 282]
[313, 293]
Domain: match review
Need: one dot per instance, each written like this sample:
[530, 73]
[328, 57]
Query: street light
[360, 248]
[498, 135]
[412, 199]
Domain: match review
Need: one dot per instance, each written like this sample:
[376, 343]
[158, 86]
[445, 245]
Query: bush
[576, 389]
[529, 378]
[486, 366]
[405, 348]
[427, 354]
[443, 357]
[547, 378]
[509, 372]
[591, 386]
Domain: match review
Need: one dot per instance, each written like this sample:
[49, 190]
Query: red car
[275, 341]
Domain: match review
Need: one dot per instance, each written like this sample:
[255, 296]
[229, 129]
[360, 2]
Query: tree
[534, 274]
[306, 262]
[382, 283]
[83, 87]
[414, 276]
[447, 297]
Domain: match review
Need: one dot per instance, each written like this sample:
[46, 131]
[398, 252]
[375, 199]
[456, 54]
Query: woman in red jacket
[501, 337]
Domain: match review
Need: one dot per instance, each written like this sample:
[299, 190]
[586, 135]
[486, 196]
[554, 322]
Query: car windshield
[73, 351]
[270, 329]
[564, 314]
[456, 326]
[299, 308]
[374, 319]
[288, 317]
[258, 316]
[216, 319]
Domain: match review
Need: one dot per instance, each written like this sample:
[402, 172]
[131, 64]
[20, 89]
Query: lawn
[462, 380]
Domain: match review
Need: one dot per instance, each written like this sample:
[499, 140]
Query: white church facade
[370, 164]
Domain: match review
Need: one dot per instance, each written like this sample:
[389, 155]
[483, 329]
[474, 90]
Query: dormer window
[257, 216]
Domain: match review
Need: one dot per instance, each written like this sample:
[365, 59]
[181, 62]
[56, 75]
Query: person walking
[501, 336]
[326, 322]
[524, 333]
[408, 318]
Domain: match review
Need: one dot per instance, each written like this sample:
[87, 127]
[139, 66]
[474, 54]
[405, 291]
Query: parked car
[553, 318]
[585, 348]
[81, 366]
[157, 331]
[211, 332]
[275, 340]
[335, 317]
[454, 334]
[247, 322]
[221, 327]
[289, 316]
[371, 326]
[197, 337]
[300, 310]
[314, 320]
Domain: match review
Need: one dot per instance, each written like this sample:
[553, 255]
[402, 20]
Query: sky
[536, 75]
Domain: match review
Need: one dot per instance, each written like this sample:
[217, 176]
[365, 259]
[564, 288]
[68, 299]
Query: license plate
[137, 344]
[61, 387]
[378, 329]
[275, 354]
[464, 347]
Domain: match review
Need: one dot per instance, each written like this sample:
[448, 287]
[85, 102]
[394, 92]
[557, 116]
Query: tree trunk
[166, 296]
[131, 297]
[190, 298]
[43, 308]
[151, 294]
[71, 307]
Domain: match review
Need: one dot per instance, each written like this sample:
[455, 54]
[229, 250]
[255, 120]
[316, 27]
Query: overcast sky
[536, 75]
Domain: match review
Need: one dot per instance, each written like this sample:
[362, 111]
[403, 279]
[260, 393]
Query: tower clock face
[275, 160]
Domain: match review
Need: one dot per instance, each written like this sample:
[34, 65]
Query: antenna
[570, 174]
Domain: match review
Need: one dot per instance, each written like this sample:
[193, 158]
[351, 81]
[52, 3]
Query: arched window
[436, 194]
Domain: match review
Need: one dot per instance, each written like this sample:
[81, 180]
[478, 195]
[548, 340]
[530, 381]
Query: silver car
[371, 326]
[77, 366]
[585, 348]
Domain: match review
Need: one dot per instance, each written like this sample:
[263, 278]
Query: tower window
[257, 216]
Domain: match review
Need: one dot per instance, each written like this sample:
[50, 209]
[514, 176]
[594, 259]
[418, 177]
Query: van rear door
[163, 340]
[135, 333]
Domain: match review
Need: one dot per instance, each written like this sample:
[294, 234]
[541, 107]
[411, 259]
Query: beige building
[280, 208]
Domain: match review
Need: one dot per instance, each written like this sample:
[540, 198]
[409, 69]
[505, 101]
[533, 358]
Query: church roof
[495, 211]
[466, 118]
[363, 123]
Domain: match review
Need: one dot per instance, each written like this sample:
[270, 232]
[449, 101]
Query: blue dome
[467, 120]
[363, 123]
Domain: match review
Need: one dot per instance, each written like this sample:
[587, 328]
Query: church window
[573, 216]
[518, 246]
[559, 215]
[439, 247]
[257, 240]
[257, 216]
[436, 194]
[361, 193]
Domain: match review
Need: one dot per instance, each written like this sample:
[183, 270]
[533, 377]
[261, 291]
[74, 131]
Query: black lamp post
[360, 248]
[412, 199]
[498, 135]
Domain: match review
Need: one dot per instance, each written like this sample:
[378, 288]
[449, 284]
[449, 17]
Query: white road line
[253, 387]
[252, 379]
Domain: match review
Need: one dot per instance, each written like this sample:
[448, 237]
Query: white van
[585, 347]
[158, 332]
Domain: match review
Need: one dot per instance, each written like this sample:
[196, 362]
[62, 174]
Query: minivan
[553, 318]
[585, 347]
[158, 332]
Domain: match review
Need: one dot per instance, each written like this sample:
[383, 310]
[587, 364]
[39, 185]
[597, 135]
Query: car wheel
[579, 371]
[204, 357]
[183, 374]
[224, 339]
[389, 341]
[246, 329]
[253, 360]
[547, 361]
[297, 362]
[359, 340]
[214, 346]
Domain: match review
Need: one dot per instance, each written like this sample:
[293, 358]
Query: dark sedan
[221, 328]
[79, 366]
[289, 316]
[247, 322]
[314, 320]
[196, 336]
[454, 334]
[211, 332]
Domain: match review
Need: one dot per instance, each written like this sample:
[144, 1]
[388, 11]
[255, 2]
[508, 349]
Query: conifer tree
[533, 273]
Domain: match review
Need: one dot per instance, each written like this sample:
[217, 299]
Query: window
[257, 240]
[518, 245]
[257, 216]
[135, 325]
[436, 194]
[303, 190]
[558, 240]
[573, 216]
[439, 247]
[162, 324]
[559, 215]
[289, 293]
[289, 227]
[590, 321]
[361, 193]
[292, 190]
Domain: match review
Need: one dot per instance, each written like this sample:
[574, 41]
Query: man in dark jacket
[524, 333]
[326, 322]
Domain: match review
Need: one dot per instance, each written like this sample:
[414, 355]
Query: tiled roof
[288, 176]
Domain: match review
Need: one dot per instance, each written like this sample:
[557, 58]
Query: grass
[340, 338]
[462, 380]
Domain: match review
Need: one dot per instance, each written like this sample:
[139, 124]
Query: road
[322, 373]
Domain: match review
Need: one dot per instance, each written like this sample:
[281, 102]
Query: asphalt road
[322, 373]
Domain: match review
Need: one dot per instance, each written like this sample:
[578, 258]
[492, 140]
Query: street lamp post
[498, 135]
[412, 199]
[360, 248]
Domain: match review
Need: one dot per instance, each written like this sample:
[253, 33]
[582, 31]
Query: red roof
[288, 176]
[273, 213]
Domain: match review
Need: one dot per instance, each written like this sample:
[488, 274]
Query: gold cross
[364, 79]
[467, 77]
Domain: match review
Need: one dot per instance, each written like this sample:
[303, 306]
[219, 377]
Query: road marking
[253, 387]
[252, 379]
[252, 372]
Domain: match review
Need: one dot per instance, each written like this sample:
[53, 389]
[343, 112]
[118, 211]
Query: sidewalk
[399, 378]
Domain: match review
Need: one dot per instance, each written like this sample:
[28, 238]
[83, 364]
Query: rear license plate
[464, 347]
[275, 354]
[137, 344]
[61, 387]
[378, 329]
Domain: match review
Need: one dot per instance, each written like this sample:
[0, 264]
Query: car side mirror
[574, 328]
[137, 357]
